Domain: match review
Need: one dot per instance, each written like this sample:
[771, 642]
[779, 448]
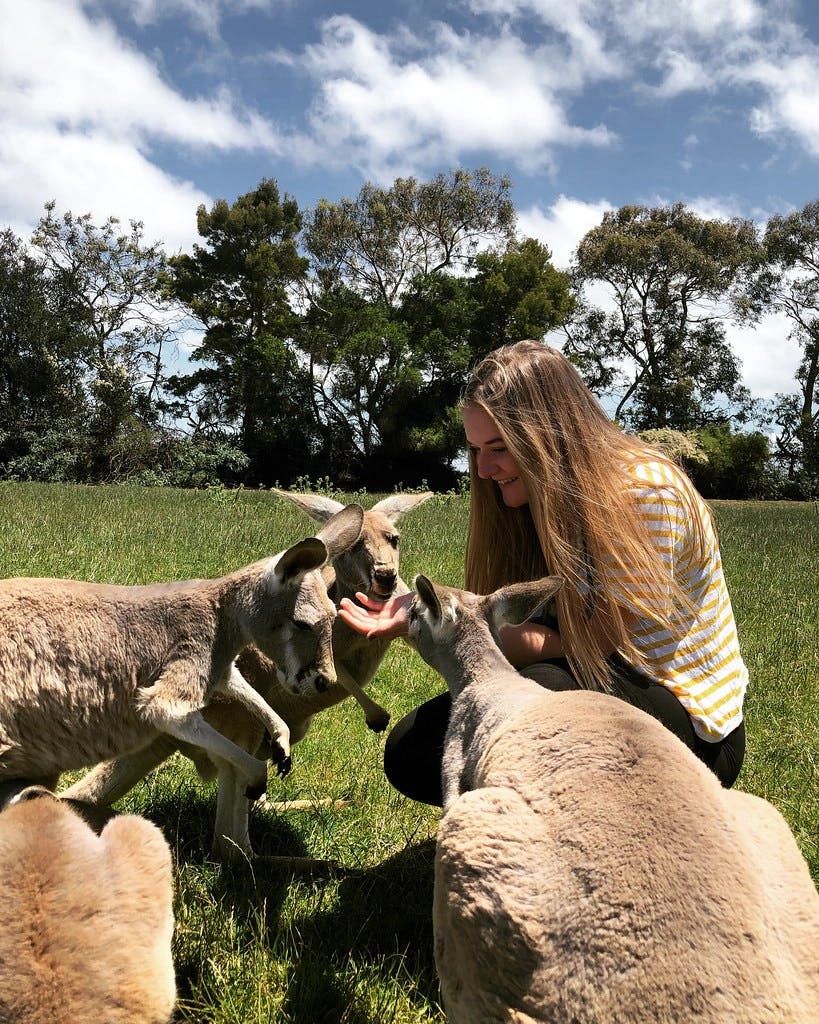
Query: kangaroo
[370, 565]
[588, 866]
[86, 920]
[89, 671]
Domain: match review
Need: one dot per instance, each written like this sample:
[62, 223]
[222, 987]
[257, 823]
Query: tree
[41, 378]
[787, 282]
[662, 346]
[380, 242]
[453, 321]
[518, 294]
[109, 283]
[239, 285]
[381, 361]
[360, 365]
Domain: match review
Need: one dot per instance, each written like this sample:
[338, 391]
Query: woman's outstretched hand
[374, 619]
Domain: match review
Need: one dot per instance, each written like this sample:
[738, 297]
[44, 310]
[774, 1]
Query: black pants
[414, 748]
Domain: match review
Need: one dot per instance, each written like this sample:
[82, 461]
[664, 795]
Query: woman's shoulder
[655, 474]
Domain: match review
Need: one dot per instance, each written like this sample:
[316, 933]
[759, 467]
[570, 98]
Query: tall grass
[254, 944]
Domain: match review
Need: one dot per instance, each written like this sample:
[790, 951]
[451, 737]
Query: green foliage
[737, 466]
[797, 447]
[402, 303]
[239, 285]
[665, 268]
[81, 333]
[379, 242]
[41, 379]
[58, 453]
[110, 281]
[517, 294]
[341, 345]
[199, 461]
[387, 329]
[787, 281]
[255, 943]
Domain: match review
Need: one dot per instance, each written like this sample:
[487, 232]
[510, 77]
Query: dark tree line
[334, 341]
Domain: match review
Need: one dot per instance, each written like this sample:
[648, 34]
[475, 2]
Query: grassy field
[254, 944]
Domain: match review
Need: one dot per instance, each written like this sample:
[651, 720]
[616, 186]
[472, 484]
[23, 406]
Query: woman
[644, 614]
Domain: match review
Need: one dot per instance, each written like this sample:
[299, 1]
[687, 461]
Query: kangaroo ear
[15, 791]
[300, 558]
[514, 604]
[315, 505]
[342, 530]
[397, 505]
[426, 591]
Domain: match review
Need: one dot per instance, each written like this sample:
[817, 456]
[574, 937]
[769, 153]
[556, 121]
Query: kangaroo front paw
[379, 723]
[280, 758]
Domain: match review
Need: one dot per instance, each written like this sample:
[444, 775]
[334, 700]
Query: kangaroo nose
[385, 579]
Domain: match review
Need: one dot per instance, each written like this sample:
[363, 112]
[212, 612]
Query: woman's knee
[550, 676]
[725, 758]
[414, 750]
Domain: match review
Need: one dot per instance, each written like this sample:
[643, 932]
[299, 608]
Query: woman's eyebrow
[491, 440]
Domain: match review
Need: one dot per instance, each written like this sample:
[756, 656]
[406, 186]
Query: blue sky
[146, 108]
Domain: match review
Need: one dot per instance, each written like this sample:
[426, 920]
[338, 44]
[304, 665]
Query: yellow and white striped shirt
[703, 666]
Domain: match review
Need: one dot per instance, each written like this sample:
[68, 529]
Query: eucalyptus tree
[788, 283]
[41, 368]
[380, 242]
[377, 261]
[109, 283]
[659, 344]
[240, 284]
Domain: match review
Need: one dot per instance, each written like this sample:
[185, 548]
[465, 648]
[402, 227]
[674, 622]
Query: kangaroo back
[85, 921]
[589, 867]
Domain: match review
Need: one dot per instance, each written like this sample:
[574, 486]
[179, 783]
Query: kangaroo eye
[301, 624]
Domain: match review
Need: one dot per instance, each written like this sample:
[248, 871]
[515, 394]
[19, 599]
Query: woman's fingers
[356, 617]
[375, 618]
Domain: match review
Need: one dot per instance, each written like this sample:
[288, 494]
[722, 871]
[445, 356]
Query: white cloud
[769, 357]
[61, 69]
[562, 225]
[634, 20]
[392, 104]
[715, 207]
[81, 115]
[97, 174]
[792, 102]
[681, 74]
[204, 15]
[695, 45]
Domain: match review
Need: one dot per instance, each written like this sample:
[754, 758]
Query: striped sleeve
[700, 661]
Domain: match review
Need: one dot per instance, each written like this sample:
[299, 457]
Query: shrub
[738, 465]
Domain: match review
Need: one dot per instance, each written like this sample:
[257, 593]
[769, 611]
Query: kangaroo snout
[321, 680]
[384, 580]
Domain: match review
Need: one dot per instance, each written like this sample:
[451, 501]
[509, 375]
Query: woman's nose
[483, 462]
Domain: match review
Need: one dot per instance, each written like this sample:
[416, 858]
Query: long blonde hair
[574, 462]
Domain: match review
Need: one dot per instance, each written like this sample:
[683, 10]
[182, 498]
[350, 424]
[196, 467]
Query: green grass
[254, 944]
